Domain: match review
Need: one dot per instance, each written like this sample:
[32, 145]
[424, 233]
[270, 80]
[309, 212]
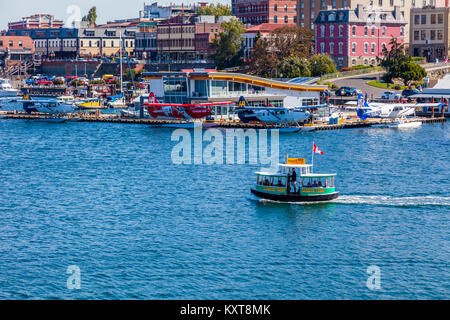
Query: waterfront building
[61, 43]
[265, 11]
[186, 39]
[200, 86]
[155, 11]
[429, 32]
[308, 10]
[145, 43]
[37, 21]
[15, 49]
[357, 36]
[105, 40]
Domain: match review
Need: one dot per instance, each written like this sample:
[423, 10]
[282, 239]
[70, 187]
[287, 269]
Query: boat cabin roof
[284, 165]
[318, 175]
[271, 174]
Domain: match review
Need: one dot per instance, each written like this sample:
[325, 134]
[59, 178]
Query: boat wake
[381, 200]
[378, 200]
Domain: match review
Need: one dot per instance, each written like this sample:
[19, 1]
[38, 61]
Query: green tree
[229, 45]
[291, 41]
[218, 10]
[293, 67]
[269, 52]
[91, 17]
[321, 64]
[393, 60]
[263, 61]
[412, 72]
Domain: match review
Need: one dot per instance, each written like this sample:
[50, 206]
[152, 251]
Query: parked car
[347, 91]
[30, 81]
[390, 95]
[43, 82]
[409, 92]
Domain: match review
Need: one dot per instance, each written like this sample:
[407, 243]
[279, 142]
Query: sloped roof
[267, 27]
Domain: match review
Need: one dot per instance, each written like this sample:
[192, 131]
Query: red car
[43, 82]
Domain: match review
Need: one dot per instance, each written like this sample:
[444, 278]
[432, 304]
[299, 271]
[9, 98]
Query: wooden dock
[346, 124]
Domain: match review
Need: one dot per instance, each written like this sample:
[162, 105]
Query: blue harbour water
[107, 198]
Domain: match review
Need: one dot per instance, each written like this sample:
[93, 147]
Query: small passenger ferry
[309, 186]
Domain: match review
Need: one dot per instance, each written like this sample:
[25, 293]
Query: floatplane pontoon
[309, 186]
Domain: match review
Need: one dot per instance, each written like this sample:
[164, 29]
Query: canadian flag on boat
[316, 150]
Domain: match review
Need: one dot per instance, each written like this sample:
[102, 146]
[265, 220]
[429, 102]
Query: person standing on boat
[294, 179]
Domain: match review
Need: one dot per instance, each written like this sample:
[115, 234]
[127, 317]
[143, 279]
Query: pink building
[357, 36]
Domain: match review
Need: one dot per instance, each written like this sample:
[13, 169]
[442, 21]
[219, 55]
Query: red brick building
[15, 49]
[37, 21]
[265, 11]
[357, 36]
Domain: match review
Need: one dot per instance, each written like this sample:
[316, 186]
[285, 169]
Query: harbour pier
[351, 123]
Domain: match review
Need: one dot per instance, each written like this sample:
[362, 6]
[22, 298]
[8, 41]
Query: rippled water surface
[107, 198]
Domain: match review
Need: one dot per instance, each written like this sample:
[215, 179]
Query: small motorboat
[405, 124]
[310, 187]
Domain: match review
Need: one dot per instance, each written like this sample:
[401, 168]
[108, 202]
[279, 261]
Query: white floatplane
[48, 106]
[383, 110]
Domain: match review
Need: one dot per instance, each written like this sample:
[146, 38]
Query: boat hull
[296, 198]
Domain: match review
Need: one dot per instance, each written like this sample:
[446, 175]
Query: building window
[353, 62]
[302, 5]
[423, 35]
[354, 47]
[416, 19]
[440, 34]
[440, 18]
[413, 3]
[275, 8]
[380, 3]
[354, 30]
[341, 47]
[322, 47]
[275, 19]
[322, 4]
[331, 48]
[416, 35]
[383, 32]
[391, 3]
[402, 31]
[433, 19]
[373, 31]
[373, 48]
[322, 31]
[286, 19]
[20, 44]
[295, 19]
[366, 48]
[366, 31]
[433, 35]
[341, 31]
[331, 31]
[424, 19]
[333, 3]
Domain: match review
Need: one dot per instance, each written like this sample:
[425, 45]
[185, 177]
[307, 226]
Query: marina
[242, 151]
[350, 124]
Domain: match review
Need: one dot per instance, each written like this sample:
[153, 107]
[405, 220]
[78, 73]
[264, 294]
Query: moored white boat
[6, 89]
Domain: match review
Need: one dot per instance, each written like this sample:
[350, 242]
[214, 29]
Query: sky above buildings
[107, 10]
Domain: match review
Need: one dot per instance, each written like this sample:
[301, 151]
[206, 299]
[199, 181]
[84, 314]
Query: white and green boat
[309, 187]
